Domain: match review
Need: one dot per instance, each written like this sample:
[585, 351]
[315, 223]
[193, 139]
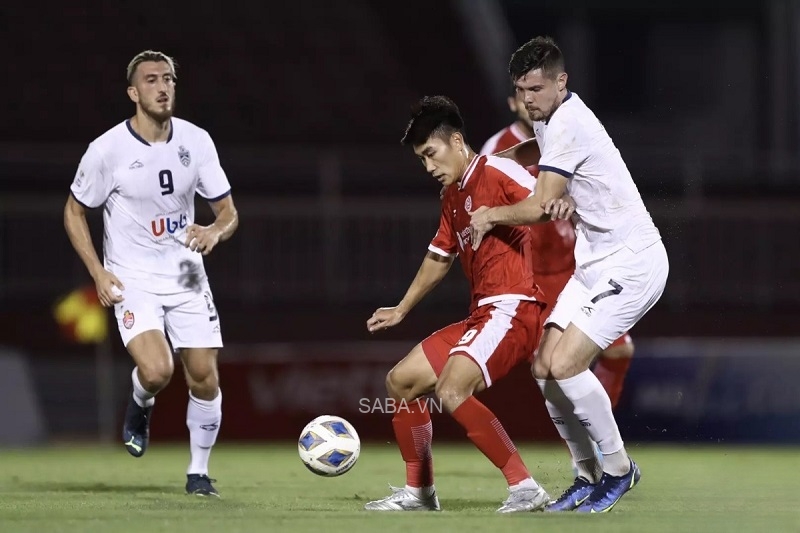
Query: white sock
[593, 409]
[203, 418]
[140, 395]
[525, 484]
[421, 492]
[571, 430]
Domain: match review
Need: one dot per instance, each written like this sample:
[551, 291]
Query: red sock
[488, 434]
[611, 373]
[413, 431]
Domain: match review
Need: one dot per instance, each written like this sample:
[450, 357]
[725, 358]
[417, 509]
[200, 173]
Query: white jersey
[609, 208]
[147, 192]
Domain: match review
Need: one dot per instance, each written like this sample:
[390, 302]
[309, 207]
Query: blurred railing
[305, 250]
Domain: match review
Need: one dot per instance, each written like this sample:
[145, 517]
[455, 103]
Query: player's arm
[204, 239]
[78, 232]
[433, 269]
[90, 188]
[227, 217]
[550, 187]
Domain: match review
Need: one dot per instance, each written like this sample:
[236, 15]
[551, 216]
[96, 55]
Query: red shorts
[496, 337]
[552, 285]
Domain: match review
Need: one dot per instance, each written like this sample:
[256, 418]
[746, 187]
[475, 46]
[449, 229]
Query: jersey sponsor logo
[128, 320]
[464, 237]
[169, 224]
[136, 164]
[184, 156]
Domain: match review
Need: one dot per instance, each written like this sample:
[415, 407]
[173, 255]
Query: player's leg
[410, 379]
[140, 319]
[499, 337]
[585, 461]
[203, 415]
[193, 326]
[558, 406]
[612, 366]
[624, 291]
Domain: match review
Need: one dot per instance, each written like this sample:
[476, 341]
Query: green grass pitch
[265, 488]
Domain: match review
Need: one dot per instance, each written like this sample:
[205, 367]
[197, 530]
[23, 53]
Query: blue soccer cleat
[573, 497]
[200, 485]
[136, 429]
[609, 491]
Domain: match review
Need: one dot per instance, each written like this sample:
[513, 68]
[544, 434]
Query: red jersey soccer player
[554, 258]
[503, 327]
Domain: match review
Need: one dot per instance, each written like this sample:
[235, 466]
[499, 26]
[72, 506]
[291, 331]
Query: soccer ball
[329, 446]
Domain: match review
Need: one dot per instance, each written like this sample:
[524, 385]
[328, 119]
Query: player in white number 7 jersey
[145, 172]
[621, 270]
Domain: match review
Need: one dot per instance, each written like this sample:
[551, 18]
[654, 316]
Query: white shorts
[190, 318]
[607, 298]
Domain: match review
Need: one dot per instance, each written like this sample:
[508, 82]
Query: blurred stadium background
[307, 102]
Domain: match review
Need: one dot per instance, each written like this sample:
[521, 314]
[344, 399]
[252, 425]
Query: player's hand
[202, 239]
[480, 225]
[559, 208]
[109, 288]
[384, 318]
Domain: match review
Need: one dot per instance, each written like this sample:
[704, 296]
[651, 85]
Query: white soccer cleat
[403, 500]
[525, 500]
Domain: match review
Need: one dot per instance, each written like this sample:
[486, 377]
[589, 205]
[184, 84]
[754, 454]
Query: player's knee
[399, 384]
[203, 380]
[540, 369]
[451, 396]
[561, 367]
[155, 375]
[453, 391]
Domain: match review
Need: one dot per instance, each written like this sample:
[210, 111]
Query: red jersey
[554, 242]
[502, 268]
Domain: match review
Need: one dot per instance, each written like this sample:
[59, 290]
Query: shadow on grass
[99, 488]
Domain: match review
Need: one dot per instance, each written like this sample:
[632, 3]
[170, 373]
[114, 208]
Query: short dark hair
[432, 115]
[539, 52]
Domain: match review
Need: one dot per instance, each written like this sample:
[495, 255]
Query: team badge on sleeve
[128, 319]
[184, 156]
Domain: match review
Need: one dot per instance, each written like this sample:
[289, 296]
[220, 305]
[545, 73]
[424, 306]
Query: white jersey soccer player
[621, 270]
[144, 173]
[147, 193]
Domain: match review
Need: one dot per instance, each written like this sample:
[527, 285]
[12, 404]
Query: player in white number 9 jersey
[144, 173]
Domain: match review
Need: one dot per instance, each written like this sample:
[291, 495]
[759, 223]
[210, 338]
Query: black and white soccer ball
[329, 446]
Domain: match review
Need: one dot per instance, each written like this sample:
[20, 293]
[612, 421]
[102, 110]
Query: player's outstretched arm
[81, 239]
[433, 269]
[550, 186]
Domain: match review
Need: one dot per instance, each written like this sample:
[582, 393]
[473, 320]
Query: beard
[158, 113]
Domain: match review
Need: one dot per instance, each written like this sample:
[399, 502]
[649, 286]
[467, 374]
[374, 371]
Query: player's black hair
[539, 52]
[432, 116]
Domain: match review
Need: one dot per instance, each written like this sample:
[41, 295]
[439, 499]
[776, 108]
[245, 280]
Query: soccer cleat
[136, 429]
[200, 485]
[525, 500]
[609, 491]
[403, 500]
[573, 497]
